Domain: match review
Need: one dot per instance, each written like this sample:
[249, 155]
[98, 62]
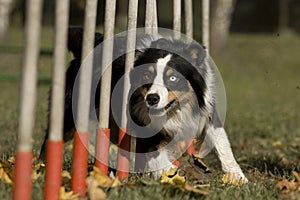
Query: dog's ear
[196, 54]
[162, 43]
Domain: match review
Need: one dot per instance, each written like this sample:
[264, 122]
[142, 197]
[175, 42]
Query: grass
[261, 76]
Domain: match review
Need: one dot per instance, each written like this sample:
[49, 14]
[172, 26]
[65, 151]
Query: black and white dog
[172, 98]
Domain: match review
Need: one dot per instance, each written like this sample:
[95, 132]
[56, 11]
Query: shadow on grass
[272, 165]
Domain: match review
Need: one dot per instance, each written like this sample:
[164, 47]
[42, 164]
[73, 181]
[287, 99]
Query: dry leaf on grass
[199, 163]
[6, 172]
[95, 193]
[288, 186]
[277, 144]
[65, 174]
[230, 179]
[194, 169]
[173, 177]
[37, 171]
[104, 180]
[96, 180]
[63, 195]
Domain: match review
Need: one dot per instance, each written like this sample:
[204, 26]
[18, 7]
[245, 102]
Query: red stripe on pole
[102, 149]
[80, 161]
[176, 163]
[190, 146]
[54, 160]
[23, 170]
[123, 154]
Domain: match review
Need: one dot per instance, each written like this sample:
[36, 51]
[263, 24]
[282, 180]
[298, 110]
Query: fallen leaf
[63, 195]
[198, 162]
[94, 192]
[65, 174]
[230, 179]
[6, 172]
[37, 171]
[104, 180]
[11, 160]
[277, 144]
[172, 177]
[194, 169]
[287, 186]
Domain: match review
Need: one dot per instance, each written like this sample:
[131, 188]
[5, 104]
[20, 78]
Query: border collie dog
[172, 98]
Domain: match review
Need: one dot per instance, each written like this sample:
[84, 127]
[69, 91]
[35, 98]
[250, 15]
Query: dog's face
[164, 82]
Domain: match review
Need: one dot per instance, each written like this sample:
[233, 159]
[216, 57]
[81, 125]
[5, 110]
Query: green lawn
[261, 74]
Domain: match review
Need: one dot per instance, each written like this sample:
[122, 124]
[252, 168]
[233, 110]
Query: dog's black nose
[152, 99]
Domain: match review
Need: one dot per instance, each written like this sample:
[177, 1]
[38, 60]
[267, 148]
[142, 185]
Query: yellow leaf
[230, 179]
[277, 144]
[63, 195]
[95, 193]
[104, 180]
[65, 174]
[36, 172]
[11, 160]
[6, 172]
[172, 177]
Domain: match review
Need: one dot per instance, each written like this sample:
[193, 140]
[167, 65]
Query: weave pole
[205, 24]
[54, 154]
[151, 26]
[23, 166]
[188, 11]
[103, 131]
[177, 18]
[151, 18]
[124, 139]
[81, 137]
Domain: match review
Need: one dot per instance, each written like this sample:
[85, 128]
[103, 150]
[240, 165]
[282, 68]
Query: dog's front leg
[219, 140]
[158, 162]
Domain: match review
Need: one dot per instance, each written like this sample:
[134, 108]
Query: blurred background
[234, 16]
[256, 46]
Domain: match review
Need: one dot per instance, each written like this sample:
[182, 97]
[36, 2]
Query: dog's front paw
[234, 178]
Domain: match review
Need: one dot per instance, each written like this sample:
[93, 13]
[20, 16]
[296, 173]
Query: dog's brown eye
[147, 76]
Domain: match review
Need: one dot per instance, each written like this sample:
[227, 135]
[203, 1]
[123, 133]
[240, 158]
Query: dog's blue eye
[173, 78]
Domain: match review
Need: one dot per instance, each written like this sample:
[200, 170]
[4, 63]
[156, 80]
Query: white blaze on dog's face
[158, 91]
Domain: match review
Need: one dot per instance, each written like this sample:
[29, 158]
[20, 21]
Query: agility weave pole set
[54, 156]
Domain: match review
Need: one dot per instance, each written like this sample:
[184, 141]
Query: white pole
[109, 25]
[205, 24]
[29, 75]
[188, 7]
[84, 93]
[177, 18]
[155, 21]
[131, 37]
[23, 166]
[151, 17]
[58, 71]
[81, 137]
